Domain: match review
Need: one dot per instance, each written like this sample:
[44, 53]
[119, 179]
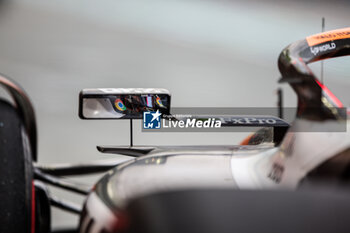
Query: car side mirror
[122, 103]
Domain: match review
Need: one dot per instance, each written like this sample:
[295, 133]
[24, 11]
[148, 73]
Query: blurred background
[207, 53]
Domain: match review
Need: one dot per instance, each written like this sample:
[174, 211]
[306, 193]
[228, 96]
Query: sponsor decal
[276, 172]
[322, 48]
[118, 103]
[328, 36]
[250, 121]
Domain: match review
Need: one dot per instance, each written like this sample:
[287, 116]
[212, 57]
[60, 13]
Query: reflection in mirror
[122, 103]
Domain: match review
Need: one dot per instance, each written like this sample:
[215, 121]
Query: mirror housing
[122, 103]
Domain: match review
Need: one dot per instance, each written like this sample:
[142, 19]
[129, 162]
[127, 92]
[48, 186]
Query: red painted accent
[246, 140]
[33, 208]
[122, 223]
[330, 94]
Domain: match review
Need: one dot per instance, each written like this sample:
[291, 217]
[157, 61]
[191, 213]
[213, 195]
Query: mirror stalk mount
[131, 134]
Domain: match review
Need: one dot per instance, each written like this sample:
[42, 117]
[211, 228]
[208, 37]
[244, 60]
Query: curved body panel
[170, 169]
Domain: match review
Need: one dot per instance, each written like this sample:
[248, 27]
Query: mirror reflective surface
[122, 103]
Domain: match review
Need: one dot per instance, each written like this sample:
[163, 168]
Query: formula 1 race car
[235, 188]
